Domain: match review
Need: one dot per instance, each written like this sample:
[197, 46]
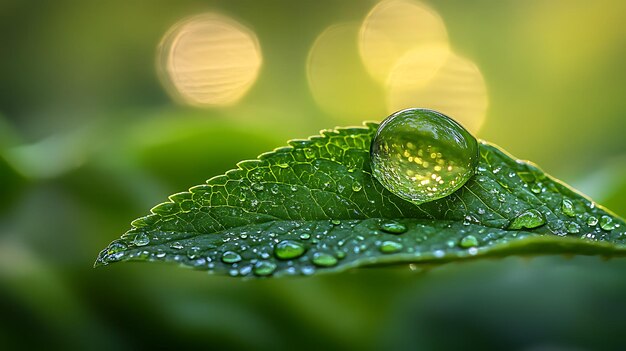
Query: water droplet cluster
[422, 155]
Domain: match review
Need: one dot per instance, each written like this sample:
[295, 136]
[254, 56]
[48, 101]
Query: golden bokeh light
[209, 60]
[338, 81]
[393, 28]
[457, 89]
[419, 66]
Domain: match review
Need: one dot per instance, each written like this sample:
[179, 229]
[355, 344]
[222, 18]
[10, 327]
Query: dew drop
[322, 259]
[469, 241]
[141, 239]
[193, 252]
[116, 247]
[393, 228]
[264, 268]
[390, 247]
[230, 257]
[288, 249]
[536, 188]
[335, 222]
[422, 155]
[356, 186]
[305, 236]
[528, 219]
[606, 223]
[568, 208]
[573, 228]
[176, 245]
[592, 221]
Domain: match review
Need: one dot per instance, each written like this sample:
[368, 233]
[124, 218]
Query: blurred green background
[90, 139]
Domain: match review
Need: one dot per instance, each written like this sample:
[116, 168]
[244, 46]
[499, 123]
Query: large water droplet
[324, 260]
[393, 228]
[568, 208]
[264, 268]
[592, 221]
[469, 241]
[230, 257]
[528, 219]
[606, 223]
[422, 155]
[390, 247]
[141, 239]
[288, 249]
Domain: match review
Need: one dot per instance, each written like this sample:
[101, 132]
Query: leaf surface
[314, 207]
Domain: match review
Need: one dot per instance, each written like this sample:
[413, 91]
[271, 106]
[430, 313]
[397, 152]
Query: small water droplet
[141, 239]
[231, 257]
[264, 268]
[288, 249]
[469, 241]
[607, 223]
[176, 245]
[324, 260]
[116, 247]
[390, 247]
[422, 155]
[356, 186]
[568, 208]
[294, 188]
[528, 219]
[592, 221]
[193, 252]
[573, 228]
[536, 188]
[305, 236]
[335, 222]
[393, 227]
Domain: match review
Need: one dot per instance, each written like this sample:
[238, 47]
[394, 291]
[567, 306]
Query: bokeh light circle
[338, 81]
[457, 89]
[209, 60]
[393, 28]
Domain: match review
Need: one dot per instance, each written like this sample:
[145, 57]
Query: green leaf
[315, 207]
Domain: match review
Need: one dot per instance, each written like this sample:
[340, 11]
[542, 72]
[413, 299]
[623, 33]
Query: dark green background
[89, 140]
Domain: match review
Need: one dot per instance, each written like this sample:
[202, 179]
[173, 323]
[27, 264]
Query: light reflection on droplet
[395, 27]
[456, 89]
[209, 60]
[338, 81]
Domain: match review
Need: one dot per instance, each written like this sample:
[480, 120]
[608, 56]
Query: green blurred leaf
[315, 207]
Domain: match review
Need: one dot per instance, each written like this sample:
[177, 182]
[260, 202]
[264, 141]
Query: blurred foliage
[89, 139]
